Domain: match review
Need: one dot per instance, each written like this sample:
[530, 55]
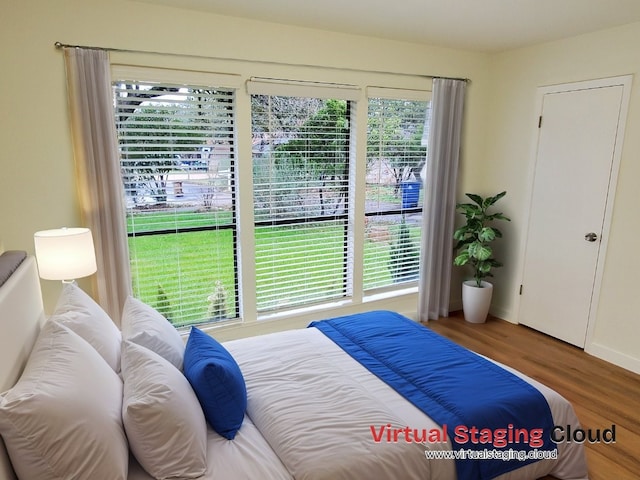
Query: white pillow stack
[78, 311]
[63, 419]
[143, 325]
[163, 419]
[162, 416]
[67, 415]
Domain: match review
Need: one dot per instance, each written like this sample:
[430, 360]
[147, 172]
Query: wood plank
[602, 394]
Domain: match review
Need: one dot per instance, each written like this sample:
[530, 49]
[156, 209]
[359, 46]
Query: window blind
[393, 212]
[301, 197]
[177, 147]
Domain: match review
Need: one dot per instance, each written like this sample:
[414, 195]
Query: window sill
[386, 294]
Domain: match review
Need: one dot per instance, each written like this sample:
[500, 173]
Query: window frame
[123, 77]
[345, 292]
[402, 95]
[240, 75]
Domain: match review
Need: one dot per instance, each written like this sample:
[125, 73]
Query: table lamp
[65, 254]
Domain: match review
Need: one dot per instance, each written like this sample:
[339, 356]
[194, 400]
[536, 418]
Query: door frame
[624, 81]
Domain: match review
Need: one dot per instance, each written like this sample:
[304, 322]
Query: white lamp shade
[65, 253]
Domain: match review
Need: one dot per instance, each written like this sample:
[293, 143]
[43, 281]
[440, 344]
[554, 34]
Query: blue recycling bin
[410, 194]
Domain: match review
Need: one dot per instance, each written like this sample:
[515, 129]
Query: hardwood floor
[602, 394]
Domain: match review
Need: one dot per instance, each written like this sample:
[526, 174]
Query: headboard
[21, 315]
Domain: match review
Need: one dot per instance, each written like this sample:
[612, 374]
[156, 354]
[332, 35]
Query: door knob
[591, 237]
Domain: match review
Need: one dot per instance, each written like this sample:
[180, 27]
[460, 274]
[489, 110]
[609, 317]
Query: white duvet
[310, 412]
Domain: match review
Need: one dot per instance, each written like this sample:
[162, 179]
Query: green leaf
[487, 234]
[462, 243]
[480, 251]
[469, 210]
[460, 233]
[476, 198]
[474, 225]
[484, 267]
[461, 259]
[498, 216]
[491, 200]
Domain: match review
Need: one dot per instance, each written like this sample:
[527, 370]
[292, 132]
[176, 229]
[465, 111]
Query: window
[177, 147]
[393, 211]
[301, 200]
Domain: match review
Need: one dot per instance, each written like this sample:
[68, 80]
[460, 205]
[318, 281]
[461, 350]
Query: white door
[580, 131]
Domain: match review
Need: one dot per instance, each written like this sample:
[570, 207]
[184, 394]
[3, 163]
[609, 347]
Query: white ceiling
[480, 25]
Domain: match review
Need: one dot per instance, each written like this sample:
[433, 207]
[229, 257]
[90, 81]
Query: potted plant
[473, 248]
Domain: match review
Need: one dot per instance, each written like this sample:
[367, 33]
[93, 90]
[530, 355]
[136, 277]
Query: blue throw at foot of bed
[483, 406]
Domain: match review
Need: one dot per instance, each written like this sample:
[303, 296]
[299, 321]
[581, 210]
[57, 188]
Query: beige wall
[515, 76]
[37, 187]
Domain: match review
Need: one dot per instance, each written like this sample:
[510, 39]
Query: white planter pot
[476, 301]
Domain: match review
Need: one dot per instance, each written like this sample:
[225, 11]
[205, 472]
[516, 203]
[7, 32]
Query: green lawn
[190, 265]
[298, 264]
[149, 221]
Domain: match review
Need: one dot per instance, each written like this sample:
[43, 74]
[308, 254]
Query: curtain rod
[60, 45]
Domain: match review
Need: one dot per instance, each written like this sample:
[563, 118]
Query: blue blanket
[481, 405]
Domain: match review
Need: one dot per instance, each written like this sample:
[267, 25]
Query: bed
[312, 410]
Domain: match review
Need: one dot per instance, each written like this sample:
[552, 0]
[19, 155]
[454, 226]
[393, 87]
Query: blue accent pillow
[217, 381]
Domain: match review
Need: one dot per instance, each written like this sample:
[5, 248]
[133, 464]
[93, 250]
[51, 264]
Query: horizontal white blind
[177, 151]
[301, 178]
[393, 212]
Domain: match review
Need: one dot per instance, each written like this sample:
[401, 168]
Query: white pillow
[63, 419]
[78, 311]
[163, 419]
[146, 326]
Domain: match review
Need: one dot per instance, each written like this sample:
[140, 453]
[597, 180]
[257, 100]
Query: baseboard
[620, 359]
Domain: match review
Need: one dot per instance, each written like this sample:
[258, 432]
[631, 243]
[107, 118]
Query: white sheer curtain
[95, 149]
[440, 181]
